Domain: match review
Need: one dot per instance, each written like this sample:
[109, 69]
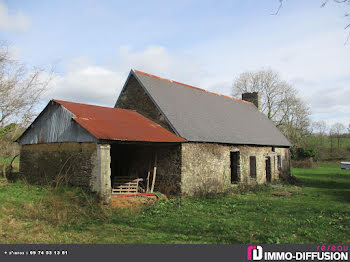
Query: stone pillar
[104, 172]
[254, 98]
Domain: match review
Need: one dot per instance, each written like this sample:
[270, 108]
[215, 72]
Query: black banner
[129, 253]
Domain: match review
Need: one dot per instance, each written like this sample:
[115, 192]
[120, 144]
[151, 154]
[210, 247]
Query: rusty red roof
[118, 124]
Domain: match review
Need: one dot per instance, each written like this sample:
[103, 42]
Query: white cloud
[331, 119]
[153, 58]
[13, 22]
[88, 83]
[157, 60]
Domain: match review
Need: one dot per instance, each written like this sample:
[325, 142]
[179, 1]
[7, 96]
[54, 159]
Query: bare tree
[336, 131]
[20, 89]
[296, 122]
[323, 4]
[20, 92]
[319, 130]
[279, 101]
[273, 91]
[320, 127]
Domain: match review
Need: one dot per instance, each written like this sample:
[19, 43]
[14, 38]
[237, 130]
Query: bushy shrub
[302, 153]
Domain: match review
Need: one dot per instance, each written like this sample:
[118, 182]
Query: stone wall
[85, 165]
[189, 168]
[169, 170]
[206, 166]
[134, 97]
[286, 162]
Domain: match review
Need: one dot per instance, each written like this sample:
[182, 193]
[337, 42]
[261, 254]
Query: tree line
[282, 104]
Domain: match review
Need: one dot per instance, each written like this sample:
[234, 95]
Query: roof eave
[241, 144]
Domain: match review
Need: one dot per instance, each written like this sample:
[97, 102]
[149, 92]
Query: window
[268, 168]
[235, 167]
[252, 165]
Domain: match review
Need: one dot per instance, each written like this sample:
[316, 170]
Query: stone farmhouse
[188, 139]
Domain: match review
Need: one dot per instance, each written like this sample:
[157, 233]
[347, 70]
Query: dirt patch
[134, 202]
[282, 193]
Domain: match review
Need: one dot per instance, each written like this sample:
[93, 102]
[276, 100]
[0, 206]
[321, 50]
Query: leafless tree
[296, 122]
[279, 101]
[323, 4]
[273, 91]
[336, 131]
[320, 127]
[347, 15]
[20, 89]
[319, 130]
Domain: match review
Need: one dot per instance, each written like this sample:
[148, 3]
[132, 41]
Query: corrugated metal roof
[118, 124]
[202, 116]
[54, 125]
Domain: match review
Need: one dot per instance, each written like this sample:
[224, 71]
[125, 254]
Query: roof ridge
[194, 87]
[64, 101]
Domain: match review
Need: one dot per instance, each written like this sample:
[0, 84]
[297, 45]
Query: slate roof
[202, 116]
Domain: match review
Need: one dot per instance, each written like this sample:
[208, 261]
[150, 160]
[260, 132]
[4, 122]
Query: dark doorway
[121, 159]
[130, 161]
[134, 166]
[235, 166]
[268, 168]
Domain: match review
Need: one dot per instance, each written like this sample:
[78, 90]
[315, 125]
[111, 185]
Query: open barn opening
[133, 168]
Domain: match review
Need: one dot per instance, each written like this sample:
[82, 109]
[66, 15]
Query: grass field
[316, 212]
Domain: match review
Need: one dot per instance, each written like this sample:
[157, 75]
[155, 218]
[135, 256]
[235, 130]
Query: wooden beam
[154, 173]
[148, 175]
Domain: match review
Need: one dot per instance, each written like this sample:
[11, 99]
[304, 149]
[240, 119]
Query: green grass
[316, 212]
[7, 160]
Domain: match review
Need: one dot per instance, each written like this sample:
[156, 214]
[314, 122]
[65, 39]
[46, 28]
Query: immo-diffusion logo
[332, 253]
[256, 252]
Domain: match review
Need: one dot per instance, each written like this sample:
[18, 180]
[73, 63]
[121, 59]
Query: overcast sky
[94, 44]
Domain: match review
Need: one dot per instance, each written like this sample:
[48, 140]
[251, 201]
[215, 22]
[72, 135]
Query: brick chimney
[254, 98]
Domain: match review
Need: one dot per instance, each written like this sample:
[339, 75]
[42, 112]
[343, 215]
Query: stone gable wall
[135, 98]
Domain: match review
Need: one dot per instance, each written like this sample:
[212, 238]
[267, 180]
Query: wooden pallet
[125, 185]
